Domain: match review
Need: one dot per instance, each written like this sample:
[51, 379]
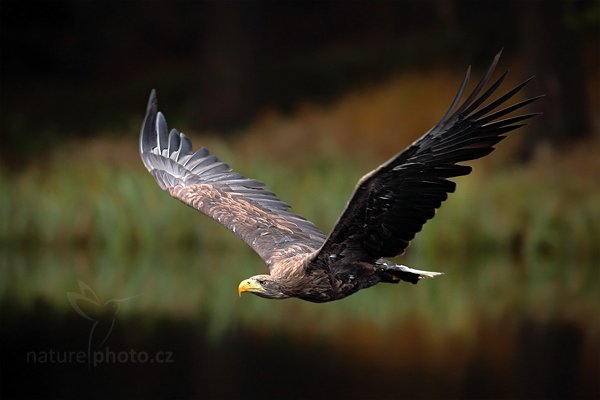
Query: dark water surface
[145, 328]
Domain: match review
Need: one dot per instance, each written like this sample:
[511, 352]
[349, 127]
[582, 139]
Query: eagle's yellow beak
[249, 285]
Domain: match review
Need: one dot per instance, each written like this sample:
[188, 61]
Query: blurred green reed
[511, 242]
[69, 203]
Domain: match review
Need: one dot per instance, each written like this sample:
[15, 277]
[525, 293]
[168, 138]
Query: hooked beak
[250, 285]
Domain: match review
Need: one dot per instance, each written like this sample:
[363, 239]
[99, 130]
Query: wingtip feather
[152, 101]
[147, 136]
[499, 54]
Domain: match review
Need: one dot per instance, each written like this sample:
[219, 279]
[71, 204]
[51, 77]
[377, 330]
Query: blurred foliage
[522, 237]
[526, 211]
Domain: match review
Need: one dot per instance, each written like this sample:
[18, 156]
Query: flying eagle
[388, 207]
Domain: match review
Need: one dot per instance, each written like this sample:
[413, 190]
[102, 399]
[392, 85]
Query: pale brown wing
[392, 203]
[205, 183]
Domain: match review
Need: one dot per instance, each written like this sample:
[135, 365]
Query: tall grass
[524, 211]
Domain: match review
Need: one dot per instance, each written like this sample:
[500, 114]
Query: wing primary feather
[147, 136]
[507, 110]
[173, 142]
[501, 100]
[482, 83]
[485, 95]
[508, 121]
[457, 98]
[196, 157]
[162, 134]
[185, 145]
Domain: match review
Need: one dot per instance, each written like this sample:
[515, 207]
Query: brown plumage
[388, 207]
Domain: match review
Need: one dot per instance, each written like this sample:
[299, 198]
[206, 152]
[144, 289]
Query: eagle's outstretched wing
[392, 203]
[205, 183]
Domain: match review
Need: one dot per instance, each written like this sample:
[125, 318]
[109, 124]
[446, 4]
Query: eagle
[388, 207]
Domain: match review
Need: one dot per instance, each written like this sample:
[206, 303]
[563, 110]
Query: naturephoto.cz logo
[102, 316]
[97, 357]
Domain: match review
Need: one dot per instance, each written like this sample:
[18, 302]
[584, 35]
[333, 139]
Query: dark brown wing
[392, 203]
[242, 205]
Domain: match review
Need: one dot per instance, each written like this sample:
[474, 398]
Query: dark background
[73, 68]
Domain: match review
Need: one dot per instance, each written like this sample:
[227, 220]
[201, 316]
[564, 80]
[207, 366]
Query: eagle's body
[299, 276]
[388, 207]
